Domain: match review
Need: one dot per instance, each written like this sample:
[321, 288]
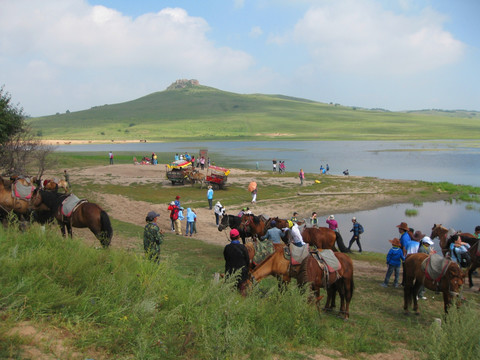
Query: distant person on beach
[110, 156]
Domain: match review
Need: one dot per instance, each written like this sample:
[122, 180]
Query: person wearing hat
[412, 246]
[297, 238]
[274, 234]
[210, 197]
[219, 212]
[174, 217]
[395, 258]
[425, 248]
[237, 260]
[356, 235]
[405, 237]
[152, 237]
[332, 223]
[177, 200]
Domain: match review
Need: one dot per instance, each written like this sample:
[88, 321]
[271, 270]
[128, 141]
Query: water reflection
[380, 224]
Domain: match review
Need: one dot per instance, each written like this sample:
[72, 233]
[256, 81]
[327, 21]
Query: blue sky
[58, 55]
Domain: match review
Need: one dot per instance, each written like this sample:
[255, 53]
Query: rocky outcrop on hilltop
[183, 83]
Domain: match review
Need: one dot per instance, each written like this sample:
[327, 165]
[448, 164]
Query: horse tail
[340, 243]
[106, 229]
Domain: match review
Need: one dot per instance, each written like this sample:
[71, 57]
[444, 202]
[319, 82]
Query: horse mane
[52, 199]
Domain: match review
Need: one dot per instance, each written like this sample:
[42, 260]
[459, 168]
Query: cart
[216, 177]
[177, 171]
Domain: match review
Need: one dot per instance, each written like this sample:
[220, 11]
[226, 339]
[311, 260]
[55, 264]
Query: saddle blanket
[329, 258]
[435, 266]
[69, 204]
[298, 253]
[21, 191]
[262, 250]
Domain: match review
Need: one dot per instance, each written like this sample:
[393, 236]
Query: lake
[436, 161]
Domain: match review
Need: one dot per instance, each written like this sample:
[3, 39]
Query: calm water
[380, 224]
[452, 161]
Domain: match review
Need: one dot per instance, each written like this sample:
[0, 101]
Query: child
[394, 260]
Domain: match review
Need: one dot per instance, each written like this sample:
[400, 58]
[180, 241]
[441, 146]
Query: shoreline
[86, 142]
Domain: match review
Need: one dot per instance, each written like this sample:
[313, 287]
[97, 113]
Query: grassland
[209, 114]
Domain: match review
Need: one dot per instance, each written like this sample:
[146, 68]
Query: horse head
[455, 277]
[224, 223]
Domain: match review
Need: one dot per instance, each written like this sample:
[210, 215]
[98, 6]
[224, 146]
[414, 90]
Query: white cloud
[359, 36]
[238, 4]
[256, 32]
[65, 42]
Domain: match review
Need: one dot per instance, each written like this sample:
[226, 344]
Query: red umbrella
[252, 186]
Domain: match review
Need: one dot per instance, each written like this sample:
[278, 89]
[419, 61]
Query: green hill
[205, 113]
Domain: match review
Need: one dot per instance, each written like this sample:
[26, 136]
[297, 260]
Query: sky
[59, 55]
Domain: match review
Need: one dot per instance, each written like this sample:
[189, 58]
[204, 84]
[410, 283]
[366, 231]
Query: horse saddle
[329, 259]
[69, 204]
[22, 191]
[435, 266]
[298, 253]
[262, 250]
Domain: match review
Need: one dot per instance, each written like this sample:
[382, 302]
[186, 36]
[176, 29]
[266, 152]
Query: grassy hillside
[209, 114]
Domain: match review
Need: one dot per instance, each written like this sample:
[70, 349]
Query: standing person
[177, 157]
[173, 214]
[405, 237]
[314, 220]
[425, 248]
[274, 163]
[297, 238]
[67, 178]
[332, 223]
[327, 168]
[202, 162]
[210, 197]
[110, 156]
[177, 200]
[191, 217]
[236, 260]
[178, 221]
[219, 211]
[254, 196]
[152, 237]
[301, 175]
[357, 229]
[394, 260]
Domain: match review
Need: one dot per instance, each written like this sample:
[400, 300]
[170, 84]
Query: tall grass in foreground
[457, 337]
[119, 304]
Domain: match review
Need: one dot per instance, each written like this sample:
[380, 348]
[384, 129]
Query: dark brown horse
[86, 214]
[311, 272]
[474, 252]
[233, 222]
[449, 284]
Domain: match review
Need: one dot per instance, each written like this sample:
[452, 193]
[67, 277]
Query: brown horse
[449, 284]
[311, 272]
[9, 202]
[444, 234]
[85, 214]
[474, 252]
[323, 238]
[254, 225]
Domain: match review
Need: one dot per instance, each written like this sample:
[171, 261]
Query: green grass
[121, 306]
[211, 115]
[411, 212]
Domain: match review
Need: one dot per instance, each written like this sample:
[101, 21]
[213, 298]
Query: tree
[11, 118]
[20, 152]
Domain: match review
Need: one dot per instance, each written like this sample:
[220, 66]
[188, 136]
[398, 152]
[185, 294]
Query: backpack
[464, 259]
[360, 228]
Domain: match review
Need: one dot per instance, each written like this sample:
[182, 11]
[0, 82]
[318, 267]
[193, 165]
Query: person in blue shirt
[457, 249]
[405, 237]
[191, 216]
[394, 260]
[210, 197]
[274, 234]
